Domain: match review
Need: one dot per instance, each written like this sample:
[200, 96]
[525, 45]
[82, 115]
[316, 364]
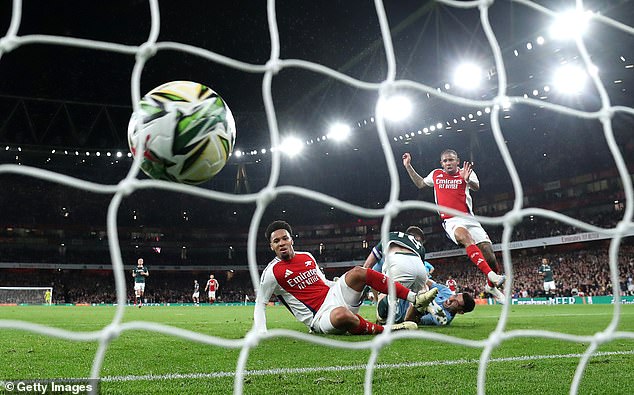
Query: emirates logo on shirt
[449, 184]
[303, 279]
[288, 273]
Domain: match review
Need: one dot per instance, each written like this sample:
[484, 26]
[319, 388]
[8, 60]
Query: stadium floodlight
[238, 153]
[339, 131]
[569, 79]
[467, 76]
[396, 108]
[569, 25]
[291, 146]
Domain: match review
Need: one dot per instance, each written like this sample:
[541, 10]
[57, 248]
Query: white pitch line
[266, 372]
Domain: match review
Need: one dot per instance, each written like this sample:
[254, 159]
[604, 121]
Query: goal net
[26, 295]
[143, 53]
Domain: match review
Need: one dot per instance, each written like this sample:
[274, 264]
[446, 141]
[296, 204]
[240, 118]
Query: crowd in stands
[98, 286]
[576, 272]
[53, 224]
[531, 228]
[63, 228]
[231, 249]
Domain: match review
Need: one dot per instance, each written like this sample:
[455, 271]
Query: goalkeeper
[47, 297]
[441, 311]
[444, 308]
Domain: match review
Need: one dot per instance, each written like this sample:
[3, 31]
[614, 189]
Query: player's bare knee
[463, 237]
[356, 275]
[342, 318]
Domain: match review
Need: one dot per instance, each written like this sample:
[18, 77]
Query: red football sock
[366, 328]
[379, 281]
[475, 254]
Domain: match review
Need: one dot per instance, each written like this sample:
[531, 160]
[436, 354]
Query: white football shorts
[339, 295]
[407, 269]
[477, 231]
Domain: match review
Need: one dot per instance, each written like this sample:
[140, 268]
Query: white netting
[28, 295]
[265, 196]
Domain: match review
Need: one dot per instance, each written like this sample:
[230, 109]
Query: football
[188, 129]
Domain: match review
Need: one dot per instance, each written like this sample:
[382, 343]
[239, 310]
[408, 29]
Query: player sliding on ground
[323, 305]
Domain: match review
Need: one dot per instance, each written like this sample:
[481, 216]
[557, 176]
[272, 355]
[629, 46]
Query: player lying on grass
[403, 262]
[441, 311]
[323, 305]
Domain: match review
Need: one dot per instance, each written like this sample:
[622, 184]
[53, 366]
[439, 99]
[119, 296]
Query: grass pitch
[144, 362]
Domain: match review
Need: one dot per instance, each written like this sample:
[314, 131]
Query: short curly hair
[276, 225]
[469, 303]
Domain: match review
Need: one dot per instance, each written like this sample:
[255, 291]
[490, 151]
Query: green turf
[440, 367]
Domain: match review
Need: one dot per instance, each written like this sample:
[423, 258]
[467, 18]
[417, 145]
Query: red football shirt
[451, 191]
[212, 284]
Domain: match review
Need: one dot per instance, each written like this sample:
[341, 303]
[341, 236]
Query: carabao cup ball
[189, 132]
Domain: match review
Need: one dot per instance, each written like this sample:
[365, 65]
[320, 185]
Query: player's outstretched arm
[416, 178]
[469, 176]
[267, 286]
[259, 315]
[370, 261]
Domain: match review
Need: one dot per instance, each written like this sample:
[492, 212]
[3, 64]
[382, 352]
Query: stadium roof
[429, 39]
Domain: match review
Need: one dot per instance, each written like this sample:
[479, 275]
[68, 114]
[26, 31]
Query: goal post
[26, 295]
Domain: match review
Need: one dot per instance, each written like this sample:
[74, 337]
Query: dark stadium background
[78, 100]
